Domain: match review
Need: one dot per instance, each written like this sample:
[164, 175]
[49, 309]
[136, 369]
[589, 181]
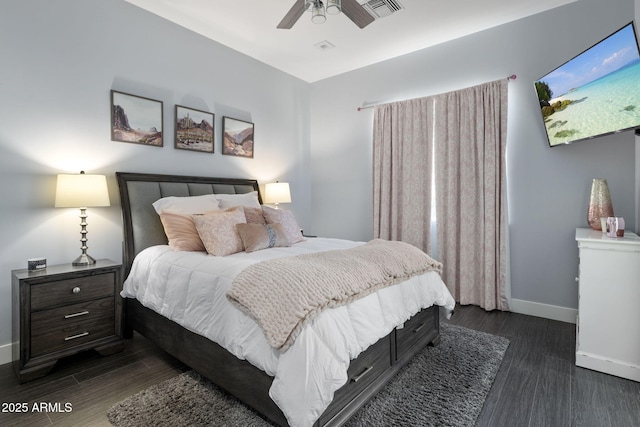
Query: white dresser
[608, 327]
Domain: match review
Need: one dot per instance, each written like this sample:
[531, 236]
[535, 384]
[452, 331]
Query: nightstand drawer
[65, 327]
[70, 291]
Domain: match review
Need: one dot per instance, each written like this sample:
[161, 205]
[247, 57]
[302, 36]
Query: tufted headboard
[141, 223]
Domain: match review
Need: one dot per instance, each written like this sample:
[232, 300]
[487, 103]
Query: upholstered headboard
[141, 223]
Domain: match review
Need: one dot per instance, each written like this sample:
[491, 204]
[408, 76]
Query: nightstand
[64, 310]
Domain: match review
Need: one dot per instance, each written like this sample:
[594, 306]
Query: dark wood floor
[537, 385]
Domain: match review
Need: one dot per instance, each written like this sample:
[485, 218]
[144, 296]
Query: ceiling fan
[351, 8]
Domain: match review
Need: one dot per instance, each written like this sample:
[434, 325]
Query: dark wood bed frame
[142, 228]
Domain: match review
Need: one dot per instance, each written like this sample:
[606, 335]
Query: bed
[374, 365]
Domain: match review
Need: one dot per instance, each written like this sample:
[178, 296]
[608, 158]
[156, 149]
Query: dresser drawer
[415, 331]
[68, 326]
[70, 291]
[362, 372]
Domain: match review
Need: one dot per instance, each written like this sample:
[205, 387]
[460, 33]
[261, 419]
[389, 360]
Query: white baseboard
[553, 312]
[5, 354]
[608, 365]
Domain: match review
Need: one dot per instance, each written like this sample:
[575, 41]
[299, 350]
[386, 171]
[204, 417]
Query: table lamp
[276, 193]
[82, 191]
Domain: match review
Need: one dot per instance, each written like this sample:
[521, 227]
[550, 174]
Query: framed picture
[136, 119]
[237, 137]
[194, 129]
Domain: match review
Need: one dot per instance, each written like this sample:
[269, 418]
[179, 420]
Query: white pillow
[187, 205]
[249, 200]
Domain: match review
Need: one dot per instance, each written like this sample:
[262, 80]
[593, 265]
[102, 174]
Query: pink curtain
[471, 196]
[402, 156]
[464, 134]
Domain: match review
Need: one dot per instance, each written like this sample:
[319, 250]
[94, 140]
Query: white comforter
[190, 288]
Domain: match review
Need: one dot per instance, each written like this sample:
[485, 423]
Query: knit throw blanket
[284, 293]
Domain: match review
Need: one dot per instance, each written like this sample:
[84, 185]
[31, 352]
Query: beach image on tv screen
[595, 93]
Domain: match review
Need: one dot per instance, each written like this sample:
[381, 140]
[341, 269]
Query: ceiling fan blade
[293, 15]
[356, 13]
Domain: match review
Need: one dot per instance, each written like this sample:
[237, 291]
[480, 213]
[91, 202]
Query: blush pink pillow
[181, 232]
[218, 231]
[262, 236]
[287, 220]
[254, 215]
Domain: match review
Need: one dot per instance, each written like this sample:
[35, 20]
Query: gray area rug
[442, 386]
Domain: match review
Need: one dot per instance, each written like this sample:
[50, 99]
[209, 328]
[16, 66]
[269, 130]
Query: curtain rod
[511, 77]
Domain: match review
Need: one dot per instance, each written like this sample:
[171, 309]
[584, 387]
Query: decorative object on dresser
[194, 129]
[82, 191]
[608, 324]
[64, 310]
[136, 119]
[600, 205]
[237, 137]
[615, 226]
[276, 193]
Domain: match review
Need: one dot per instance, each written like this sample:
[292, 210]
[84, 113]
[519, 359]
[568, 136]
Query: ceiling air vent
[381, 8]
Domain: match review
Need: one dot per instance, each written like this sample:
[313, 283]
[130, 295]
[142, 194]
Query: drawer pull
[416, 330]
[73, 337]
[76, 290]
[361, 374]
[82, 313]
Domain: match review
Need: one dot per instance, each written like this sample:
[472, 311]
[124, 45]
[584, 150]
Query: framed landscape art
[237, 137]
[194, 129]
[136, 119]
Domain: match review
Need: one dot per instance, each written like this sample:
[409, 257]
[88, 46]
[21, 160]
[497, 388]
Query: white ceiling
[249, 26]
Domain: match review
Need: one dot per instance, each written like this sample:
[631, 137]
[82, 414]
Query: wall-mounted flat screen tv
[595, 93]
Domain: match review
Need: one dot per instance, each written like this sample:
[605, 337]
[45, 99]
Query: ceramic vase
[599, 204]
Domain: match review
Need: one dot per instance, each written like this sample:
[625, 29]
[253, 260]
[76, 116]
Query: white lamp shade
[277, 192]
[81, 190]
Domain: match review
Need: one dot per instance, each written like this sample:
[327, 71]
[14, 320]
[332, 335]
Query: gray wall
[60, 59]
[548, 188]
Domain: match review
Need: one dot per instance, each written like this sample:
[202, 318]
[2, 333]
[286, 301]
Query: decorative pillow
[181, 232]
[254, 215]
[262, 236]
[187, 205]
[287, 220]
[218, 231]
[249, 200]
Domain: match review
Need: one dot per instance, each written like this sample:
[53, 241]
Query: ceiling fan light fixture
[334, 7]
[353, 9]
[318, 13]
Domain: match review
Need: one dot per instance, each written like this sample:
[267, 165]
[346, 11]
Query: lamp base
[84, 259]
